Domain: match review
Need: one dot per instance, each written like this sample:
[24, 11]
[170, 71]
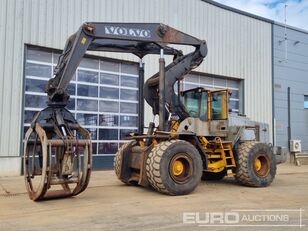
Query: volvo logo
[123, 31]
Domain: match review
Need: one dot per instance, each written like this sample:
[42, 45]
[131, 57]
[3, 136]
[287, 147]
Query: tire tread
[242, 174]
[153, 166]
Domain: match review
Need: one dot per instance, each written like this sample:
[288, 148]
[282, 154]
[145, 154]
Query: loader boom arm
[139, 39]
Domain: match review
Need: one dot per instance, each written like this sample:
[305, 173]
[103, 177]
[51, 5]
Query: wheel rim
[181, 168]
[258, 164]
[262, 165]
[177, 168]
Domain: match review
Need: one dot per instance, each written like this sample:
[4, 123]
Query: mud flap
[126, 171]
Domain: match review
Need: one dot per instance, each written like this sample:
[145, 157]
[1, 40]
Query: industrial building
[246, 54]
[290, 71]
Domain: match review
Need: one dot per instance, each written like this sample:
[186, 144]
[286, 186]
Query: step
[214, 156]
[223, 142]
[230, 166]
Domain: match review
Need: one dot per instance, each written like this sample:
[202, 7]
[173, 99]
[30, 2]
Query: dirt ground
[107, 204]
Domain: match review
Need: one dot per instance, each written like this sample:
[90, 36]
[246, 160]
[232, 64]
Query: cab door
[218, 104]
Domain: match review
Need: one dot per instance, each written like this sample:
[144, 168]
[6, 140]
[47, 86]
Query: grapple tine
[53, 167]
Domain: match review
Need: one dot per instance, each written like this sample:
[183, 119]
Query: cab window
[196, 104]
[219, 109]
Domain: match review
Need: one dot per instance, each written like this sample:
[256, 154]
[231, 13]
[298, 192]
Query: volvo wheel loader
[199, 139]
[193, 138]
[196, 138]
[57, 150]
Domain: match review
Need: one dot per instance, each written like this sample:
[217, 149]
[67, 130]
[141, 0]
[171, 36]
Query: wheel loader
[197, 137]
[208, 143]
[193, 139]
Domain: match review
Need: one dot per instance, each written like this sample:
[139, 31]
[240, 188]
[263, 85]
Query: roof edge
[291, 27]
[254, 16]
[238, 11]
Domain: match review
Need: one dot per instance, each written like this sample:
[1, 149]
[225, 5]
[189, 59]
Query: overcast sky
[297, 10]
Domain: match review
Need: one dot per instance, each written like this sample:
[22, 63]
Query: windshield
[196, 104]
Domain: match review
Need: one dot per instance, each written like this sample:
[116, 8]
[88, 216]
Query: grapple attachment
[57, 155]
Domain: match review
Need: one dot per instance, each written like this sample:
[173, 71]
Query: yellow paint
[258, 164]
[204, 141]
[216, 166]
[221, 156]
[177, 168]
[83, 40]
[174, 126]
[225, 103]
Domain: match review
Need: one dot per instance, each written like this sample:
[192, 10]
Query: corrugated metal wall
[290, 73]
[239, 46]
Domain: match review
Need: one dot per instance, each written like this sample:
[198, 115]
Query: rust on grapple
[56, 166]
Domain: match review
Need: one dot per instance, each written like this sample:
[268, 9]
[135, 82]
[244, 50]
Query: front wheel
[256, 164]
[174, 167]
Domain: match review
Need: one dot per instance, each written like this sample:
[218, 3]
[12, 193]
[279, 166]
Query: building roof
[253, 15]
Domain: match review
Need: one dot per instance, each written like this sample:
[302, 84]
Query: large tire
[214, 176]
[161, 168]
[248, 172]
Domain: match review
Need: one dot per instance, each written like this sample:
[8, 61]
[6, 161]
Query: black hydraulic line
[175, 71]
[141, 102]
[162, 85]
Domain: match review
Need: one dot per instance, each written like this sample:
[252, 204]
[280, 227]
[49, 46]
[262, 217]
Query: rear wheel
[174, 167]
[214, 176]
[256, 164]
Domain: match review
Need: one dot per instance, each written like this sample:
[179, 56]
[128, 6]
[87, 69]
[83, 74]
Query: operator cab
[206, 104]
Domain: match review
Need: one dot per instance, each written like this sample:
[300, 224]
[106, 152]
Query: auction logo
[248, 217]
